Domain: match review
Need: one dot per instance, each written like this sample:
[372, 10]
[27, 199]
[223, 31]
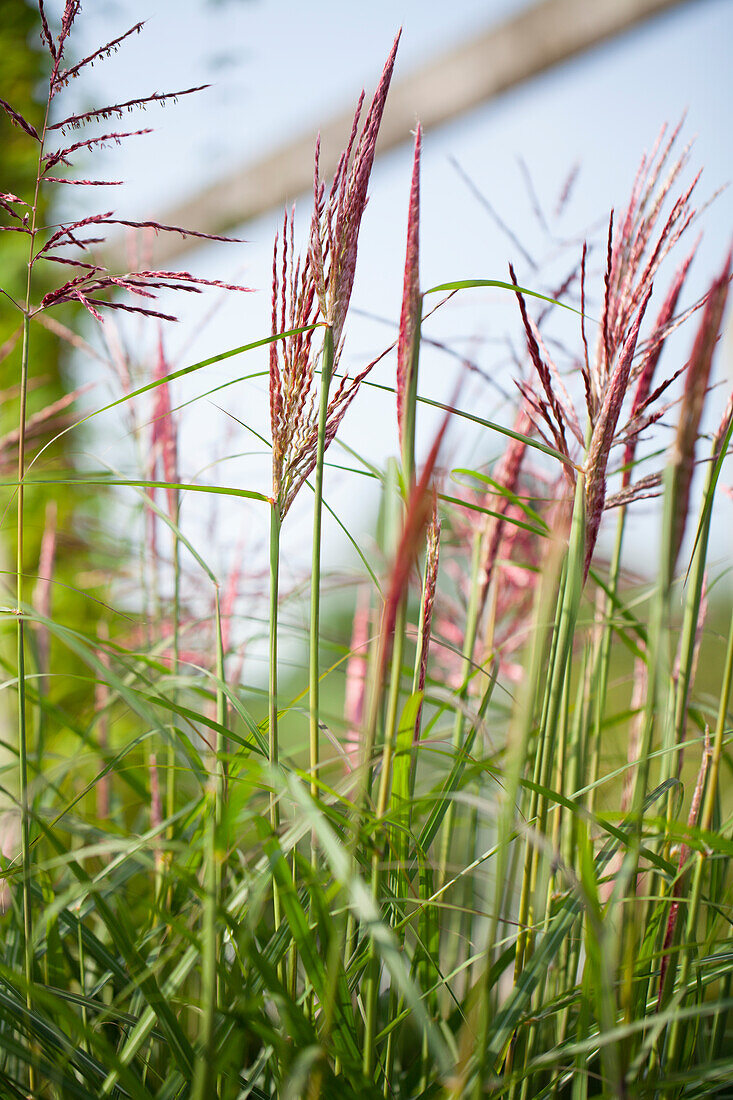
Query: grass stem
[327, 362]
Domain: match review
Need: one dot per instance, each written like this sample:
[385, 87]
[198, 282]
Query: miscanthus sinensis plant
[481, 849]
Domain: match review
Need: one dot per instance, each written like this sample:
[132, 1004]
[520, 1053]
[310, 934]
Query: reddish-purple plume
[297, 304]
[92, 288]
[410, 313]
[336, 220]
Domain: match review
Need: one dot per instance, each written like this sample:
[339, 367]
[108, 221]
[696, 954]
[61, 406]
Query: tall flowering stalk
[408, 354]
[307, 293]
[70, 244]
[624, 364]
[334, 240]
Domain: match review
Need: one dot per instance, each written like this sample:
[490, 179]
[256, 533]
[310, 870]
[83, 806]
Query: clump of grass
[464, 895]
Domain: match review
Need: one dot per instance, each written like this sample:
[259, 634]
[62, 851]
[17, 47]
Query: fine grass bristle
[458, 826]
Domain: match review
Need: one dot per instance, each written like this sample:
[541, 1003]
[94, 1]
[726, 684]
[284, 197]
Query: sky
[278, 69]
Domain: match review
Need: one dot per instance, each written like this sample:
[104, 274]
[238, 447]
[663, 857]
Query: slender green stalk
[419, 652]
[25, 845]
[467, 668]
[408, 427]
[706, 822]
[170, 790]
[519, 741]
[383, 798]
[393, 702]
[525, 898]
[658, 677]
[603, 658]
[206, 1079]
[553, 718]
[82, 976]
[390, 734]
[327, 361]
[273, 741]
[25, 811]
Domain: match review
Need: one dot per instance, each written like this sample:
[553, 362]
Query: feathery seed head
[93, 285]
[336, 220]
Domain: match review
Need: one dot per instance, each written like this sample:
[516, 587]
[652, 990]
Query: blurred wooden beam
[538, 38]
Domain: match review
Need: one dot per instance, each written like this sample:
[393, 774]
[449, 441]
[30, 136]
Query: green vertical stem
[657, 666]
[273, 745]
[419, 651]
[407, 454]
[373, 966]
[25, 846]
[563, 632]
[469, 643]
[393, 701]
[82, 979]
[533, 805]
[636, 915]
[273, 741]
[518, 742]
[671, 763]
[600, 678]
[206, 1077]
[390, 734]
[170, 790]
[706, 822]
[314, 677]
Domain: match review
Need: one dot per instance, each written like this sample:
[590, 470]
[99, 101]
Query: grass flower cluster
[482, 849]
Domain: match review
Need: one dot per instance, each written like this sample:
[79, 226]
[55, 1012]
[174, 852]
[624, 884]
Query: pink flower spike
[410, 315]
